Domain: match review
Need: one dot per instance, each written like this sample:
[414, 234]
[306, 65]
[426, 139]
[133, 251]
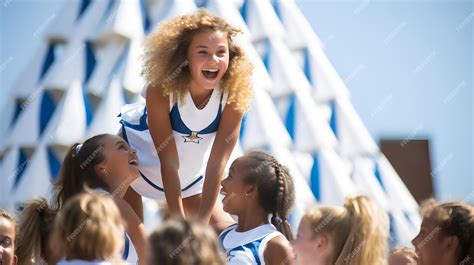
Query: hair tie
[78, 148]
[278, 219]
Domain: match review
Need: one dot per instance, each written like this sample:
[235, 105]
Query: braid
[280, 189]
[279, 218]
[276, 191]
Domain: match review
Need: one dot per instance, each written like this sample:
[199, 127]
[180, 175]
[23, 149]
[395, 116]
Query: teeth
[211, 70]
[133, 162]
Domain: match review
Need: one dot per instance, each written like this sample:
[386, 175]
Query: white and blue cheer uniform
[194, 131]
[247, 247]
[129, 254]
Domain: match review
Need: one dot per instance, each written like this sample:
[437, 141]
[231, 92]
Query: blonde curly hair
[165, 52]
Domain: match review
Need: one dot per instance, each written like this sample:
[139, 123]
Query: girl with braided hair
[258, 187]
[446, 234]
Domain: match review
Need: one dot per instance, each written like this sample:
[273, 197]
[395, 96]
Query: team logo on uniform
[192, 138]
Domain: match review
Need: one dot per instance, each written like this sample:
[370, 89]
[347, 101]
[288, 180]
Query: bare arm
[160, 130]
[135, 229]
[278, 252]
[135, 201]
[226, 138]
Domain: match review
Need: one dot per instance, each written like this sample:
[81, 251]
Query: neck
[251, 219]
[119, 188]
[449, 259]
[198, 94]
[310, 258]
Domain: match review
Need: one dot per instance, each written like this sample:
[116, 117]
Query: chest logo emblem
[192, 138]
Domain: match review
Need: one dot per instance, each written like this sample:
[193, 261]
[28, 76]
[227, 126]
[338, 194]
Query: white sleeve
[144, 89]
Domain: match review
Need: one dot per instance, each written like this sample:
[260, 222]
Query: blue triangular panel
[84, 5]
[48, 60]
[20, 169]
[333, 119]
[54, 164]
[315, 178]
[290, 117]
[47, 110]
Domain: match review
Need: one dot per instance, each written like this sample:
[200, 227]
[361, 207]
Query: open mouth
[222, 191]
[133, 162]
[210, 74]
[226, 195]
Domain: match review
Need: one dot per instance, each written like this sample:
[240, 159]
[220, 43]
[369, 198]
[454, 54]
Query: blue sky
[407, 64]
[409, 68]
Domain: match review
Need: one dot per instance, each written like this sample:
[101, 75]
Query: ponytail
[67, 175]
[77, 170]
[368, 233]
[35, 226]
[358, 231]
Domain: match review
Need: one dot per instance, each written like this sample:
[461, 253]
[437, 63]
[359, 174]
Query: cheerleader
[198, 91]
[106, 164]
[446, 234]
[258, 186]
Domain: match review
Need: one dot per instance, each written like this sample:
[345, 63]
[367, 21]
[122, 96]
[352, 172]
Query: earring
[104, 170]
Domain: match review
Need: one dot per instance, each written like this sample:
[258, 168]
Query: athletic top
[247, 247]
[194, 131]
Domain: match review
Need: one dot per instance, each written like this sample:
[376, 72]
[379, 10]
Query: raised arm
[226, 137]
[160, 130]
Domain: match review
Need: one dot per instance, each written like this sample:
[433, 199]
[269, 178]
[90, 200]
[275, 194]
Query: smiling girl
[105, 163]
[198, 91]
[8, 227]
[258, 187]
[446, 234]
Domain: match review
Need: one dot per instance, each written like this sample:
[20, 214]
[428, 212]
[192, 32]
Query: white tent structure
[88, 67]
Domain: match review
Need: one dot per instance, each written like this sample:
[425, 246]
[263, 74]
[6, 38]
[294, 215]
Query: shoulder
[230, 108]
[227, 230]
[156, 94]
[278, 251]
